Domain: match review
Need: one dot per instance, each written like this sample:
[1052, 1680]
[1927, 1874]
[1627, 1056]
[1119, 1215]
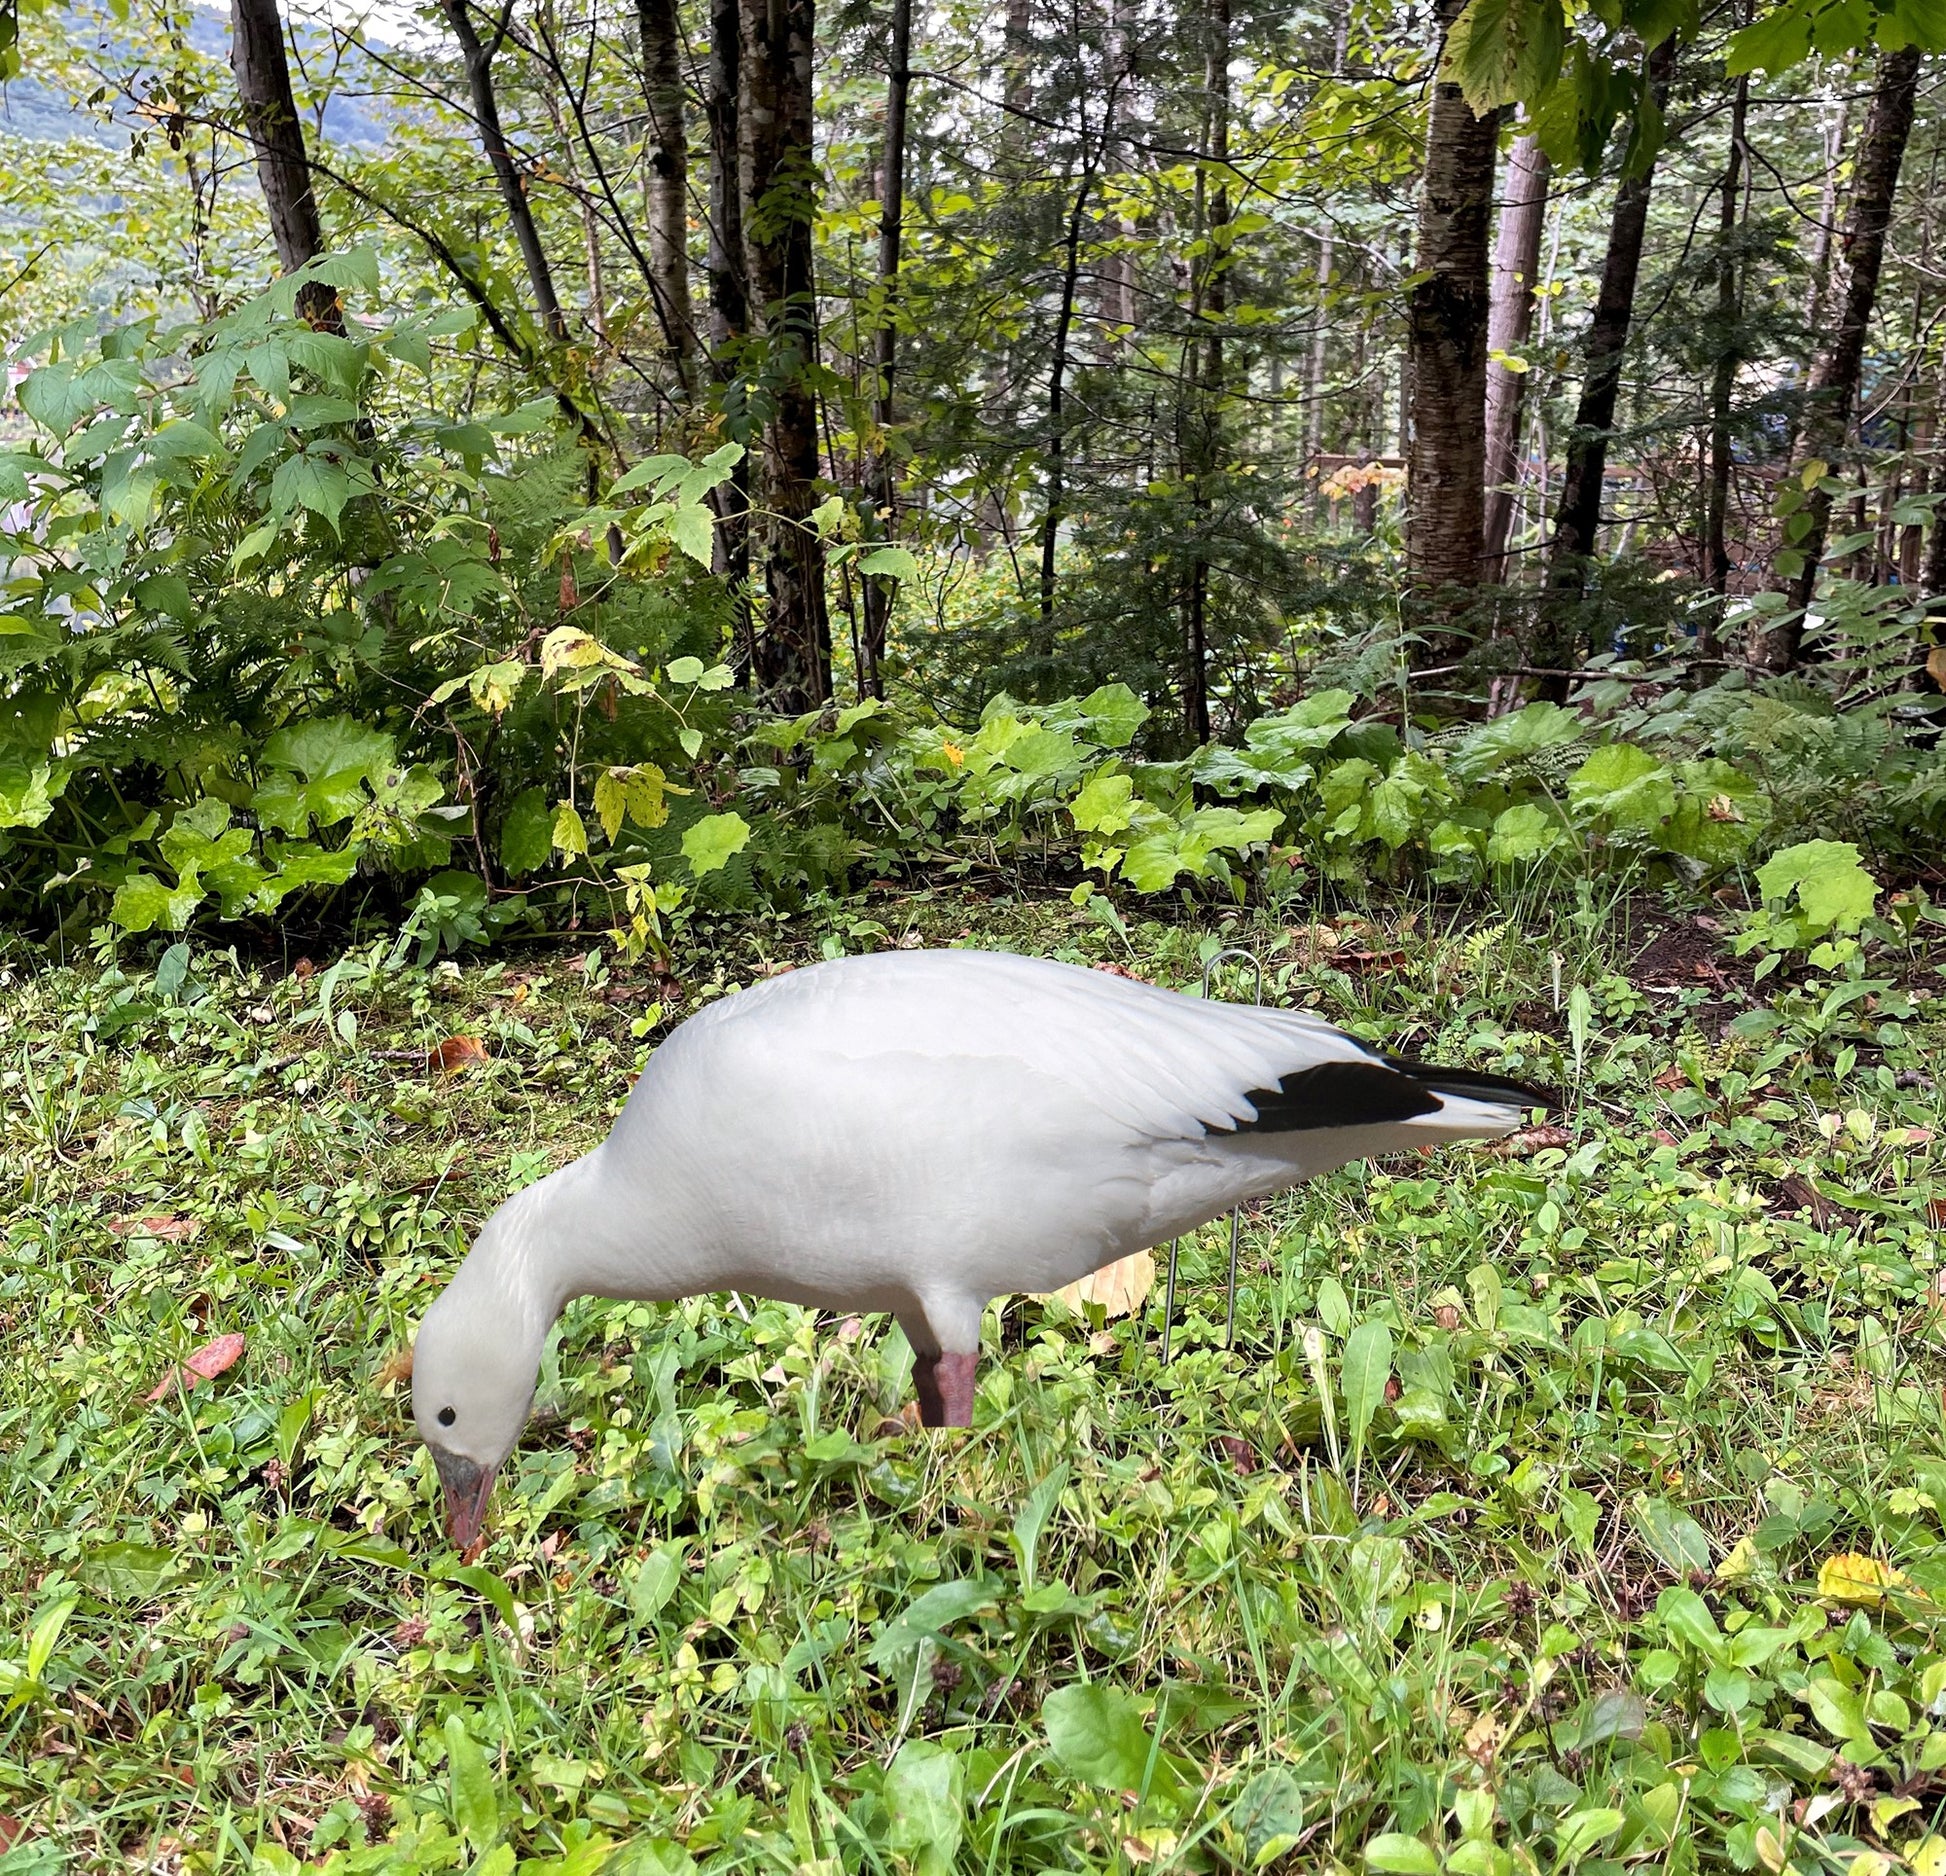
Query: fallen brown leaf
[12, 1830]
[303, 968]
[1936, 665]
[1119, 1287]
[205, 1365]
[170, 1230]
[1238, 1451]
[1121, 970]
[455, 1053]
[1446, 1316]
[1530, 1140]
[1936, 1210]
[396, 1367]
[1800, 1192]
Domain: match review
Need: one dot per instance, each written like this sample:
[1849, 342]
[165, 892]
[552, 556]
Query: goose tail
[1472, 1104]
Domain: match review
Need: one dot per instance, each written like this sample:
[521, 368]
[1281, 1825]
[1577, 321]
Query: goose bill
[466, 1488]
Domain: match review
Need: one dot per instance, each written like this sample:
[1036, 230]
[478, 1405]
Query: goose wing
[1158, 1064]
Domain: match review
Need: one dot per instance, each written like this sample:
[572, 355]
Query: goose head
[474, 1369]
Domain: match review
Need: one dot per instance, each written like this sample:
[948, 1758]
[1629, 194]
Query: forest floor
[1569, 1503]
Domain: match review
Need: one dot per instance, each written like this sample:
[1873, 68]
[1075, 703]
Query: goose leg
[945, 1385]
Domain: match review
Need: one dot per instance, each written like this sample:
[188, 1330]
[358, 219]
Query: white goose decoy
[917, 1132]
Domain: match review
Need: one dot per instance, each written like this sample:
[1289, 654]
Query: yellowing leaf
[1119, 1288]
[1740, 1562]
[1857, 1582]
[570, 834]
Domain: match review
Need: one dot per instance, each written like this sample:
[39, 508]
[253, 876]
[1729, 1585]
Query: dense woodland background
[1414, 369]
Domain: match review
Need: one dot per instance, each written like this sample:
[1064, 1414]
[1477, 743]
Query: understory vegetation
[1572, 1503]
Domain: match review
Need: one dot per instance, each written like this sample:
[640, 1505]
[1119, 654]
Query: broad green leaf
[1673, 1535]
[1829, 880]
[1774, 43]
[143, 903]
[708, 844]
[476, 1808]
[1364, 1369]
[329, 763]
[892, 563]
[126, 1572]
[1625, 787]
[1399, 1855]
[27, 795]
[655, 1582]
[1522, 834]
[925, 1806]
[1687, 1617]
[693, 528]
[1114, 713]
[1271, 1815]
[931, 1613]
[1098, 1736]
[1102, 806]
[1581, 1830]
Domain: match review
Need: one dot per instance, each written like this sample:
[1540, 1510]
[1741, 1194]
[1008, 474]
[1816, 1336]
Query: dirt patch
[1678, 954]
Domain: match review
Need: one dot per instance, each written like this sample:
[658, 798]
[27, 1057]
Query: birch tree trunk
[1516, 277]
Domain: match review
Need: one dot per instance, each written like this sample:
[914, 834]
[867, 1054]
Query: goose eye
[446, 1416]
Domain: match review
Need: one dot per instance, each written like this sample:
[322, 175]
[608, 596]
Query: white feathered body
[923, 1131]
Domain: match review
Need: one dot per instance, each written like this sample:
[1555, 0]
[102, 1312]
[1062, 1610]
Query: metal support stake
[1169, 1291]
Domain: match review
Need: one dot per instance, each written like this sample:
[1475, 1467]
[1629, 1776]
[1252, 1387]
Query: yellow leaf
[1739, 1563]
[611, 802]
[1118, 1287]
[1869, 1863]
[1857, 1582]
[1927, 1856]
[570, 834]
[1886, 1812]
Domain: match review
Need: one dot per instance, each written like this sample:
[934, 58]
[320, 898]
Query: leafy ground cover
[1569, 1505]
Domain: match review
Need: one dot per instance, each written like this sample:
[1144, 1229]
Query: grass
[1502, 1541]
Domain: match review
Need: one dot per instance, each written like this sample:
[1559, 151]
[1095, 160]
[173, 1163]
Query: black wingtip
[1469, 1084]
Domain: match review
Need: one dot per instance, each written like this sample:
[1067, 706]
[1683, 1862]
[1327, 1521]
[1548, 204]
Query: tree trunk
[1577, 518]
[1206, 397]
[668, 190]
[879, 590]
[1723, 379]
[777, 177]
[729, 316]
[1832, 394]
[1446, 322]
[270, 120]
[1057, 375]
[1516, 277]
[478, 57]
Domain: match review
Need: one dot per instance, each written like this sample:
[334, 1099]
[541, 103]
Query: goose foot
[944, 1384]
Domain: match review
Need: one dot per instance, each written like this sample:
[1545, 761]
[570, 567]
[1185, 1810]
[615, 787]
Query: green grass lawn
[1503, 1540]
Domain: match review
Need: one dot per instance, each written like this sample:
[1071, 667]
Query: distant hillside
[30, 109]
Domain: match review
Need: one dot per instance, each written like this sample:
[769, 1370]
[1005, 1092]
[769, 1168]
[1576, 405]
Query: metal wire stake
[1169, 1292]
